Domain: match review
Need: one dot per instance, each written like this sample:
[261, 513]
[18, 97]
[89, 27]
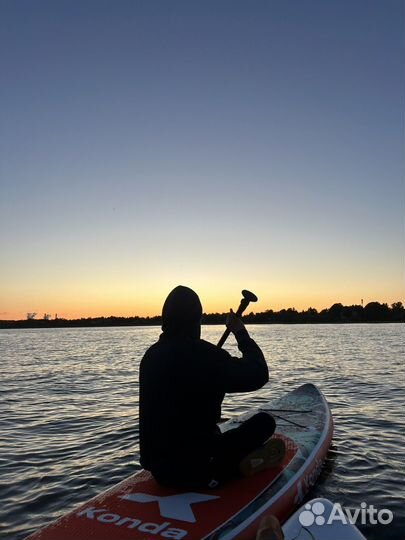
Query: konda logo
[177, 507]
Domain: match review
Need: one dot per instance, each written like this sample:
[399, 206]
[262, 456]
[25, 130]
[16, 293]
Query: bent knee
[265, 422]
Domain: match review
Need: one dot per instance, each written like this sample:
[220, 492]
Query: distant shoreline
[10, 326]
[374, 312]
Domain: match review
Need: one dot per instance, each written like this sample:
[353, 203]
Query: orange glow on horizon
[153, 308]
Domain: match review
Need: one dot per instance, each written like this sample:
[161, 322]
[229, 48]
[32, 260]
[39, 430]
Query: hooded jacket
[183, 381]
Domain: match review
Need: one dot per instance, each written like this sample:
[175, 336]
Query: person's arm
[249, 372]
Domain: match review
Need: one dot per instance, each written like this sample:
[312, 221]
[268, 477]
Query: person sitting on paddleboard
[183, 381]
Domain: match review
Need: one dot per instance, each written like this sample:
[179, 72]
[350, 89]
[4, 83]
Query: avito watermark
[363, 515]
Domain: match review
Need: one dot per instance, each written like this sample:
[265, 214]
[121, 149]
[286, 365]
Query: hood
[181, 314]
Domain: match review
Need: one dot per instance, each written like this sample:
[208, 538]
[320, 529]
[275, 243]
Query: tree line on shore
[373, 312]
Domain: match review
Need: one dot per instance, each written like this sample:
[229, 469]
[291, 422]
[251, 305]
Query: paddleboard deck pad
[140, 509]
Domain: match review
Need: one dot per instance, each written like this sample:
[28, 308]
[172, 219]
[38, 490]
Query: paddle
[247, 298]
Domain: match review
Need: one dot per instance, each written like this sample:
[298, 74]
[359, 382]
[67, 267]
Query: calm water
[69, 420]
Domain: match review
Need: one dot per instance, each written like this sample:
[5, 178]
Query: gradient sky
[218, 144]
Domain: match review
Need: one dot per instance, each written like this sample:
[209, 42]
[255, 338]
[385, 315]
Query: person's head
[182, 312]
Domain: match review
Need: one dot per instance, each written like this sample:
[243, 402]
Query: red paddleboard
[140, 509]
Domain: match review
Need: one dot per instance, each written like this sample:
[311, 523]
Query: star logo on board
[172, 506]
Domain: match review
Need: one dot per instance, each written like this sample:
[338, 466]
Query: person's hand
[233, 323]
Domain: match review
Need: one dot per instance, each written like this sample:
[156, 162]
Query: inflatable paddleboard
[320, 519]
[140, 509]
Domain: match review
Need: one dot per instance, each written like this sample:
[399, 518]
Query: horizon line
[47, 316]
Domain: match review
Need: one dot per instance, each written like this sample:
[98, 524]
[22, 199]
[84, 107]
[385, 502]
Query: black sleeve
[247, 373]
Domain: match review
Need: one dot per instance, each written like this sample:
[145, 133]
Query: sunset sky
[217, 144]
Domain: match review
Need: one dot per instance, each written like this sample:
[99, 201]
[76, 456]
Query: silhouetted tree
[335, 313]
[376, 312]
[398, 311]
[310, 315]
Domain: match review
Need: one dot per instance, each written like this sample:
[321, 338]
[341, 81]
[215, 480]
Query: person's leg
[200, 471]
[235, 444]
[249, 435]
